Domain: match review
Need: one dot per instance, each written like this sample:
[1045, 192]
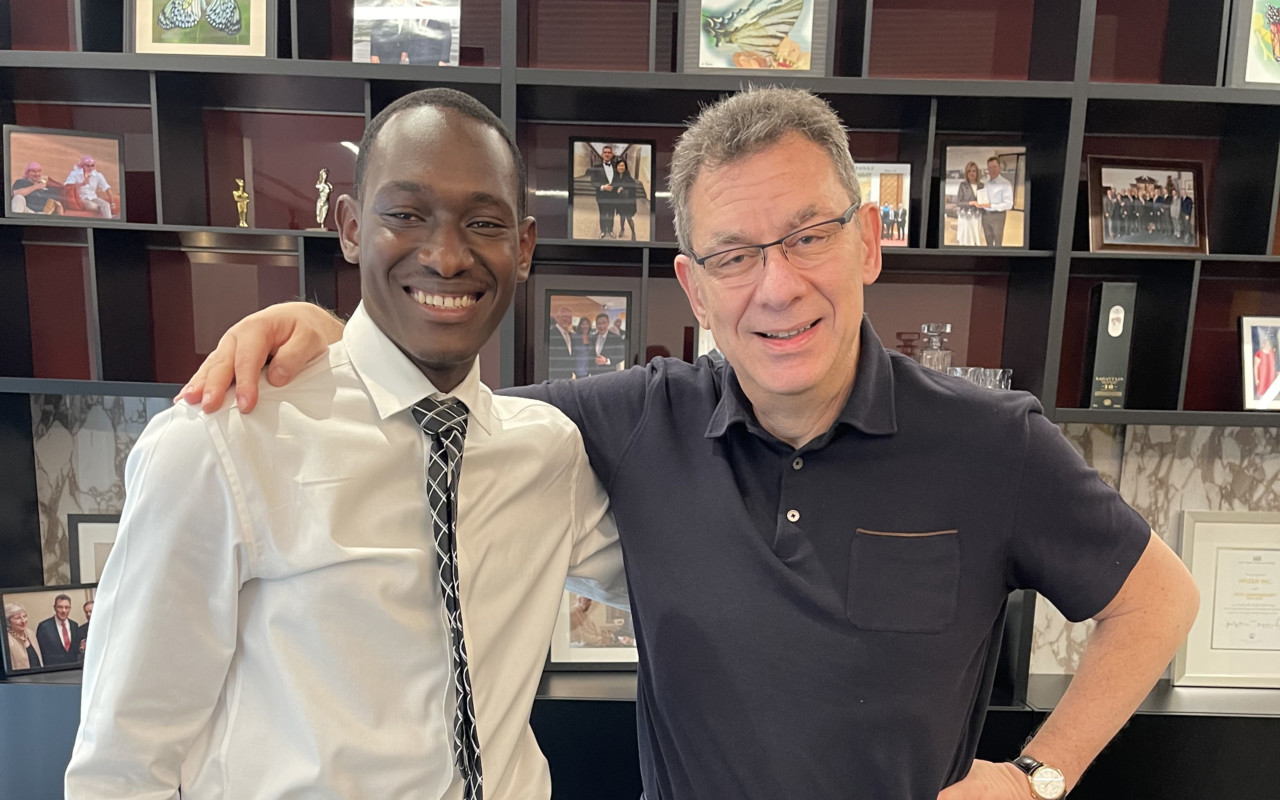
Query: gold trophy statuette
[242, 202]
[322, 201]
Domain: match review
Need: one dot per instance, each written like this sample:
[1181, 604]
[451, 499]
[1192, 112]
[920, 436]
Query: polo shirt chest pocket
[904, 581]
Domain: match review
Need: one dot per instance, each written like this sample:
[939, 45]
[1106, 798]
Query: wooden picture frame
[1147, 228]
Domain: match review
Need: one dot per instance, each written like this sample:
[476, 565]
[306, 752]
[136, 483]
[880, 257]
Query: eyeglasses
[804, 248]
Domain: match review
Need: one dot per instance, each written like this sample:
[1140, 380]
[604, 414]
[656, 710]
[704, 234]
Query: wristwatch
[1047, 783]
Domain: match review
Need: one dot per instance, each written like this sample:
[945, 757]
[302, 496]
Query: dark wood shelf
[1126, 416]
[146, 227]
[1044, 692]
[109, 388]
[1163, 93]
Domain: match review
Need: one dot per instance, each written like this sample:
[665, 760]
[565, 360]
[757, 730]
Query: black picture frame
[1168, 166]
[21, 148]
[33, 599]
[586, 306]
[78, 536]
[581, 224]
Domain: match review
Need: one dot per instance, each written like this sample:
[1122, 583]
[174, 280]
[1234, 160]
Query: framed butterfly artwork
[733, 36]
[202, 27]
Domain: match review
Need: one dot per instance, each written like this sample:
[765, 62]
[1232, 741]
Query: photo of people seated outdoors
[64, 174]
[587, 334]
[407, 32]
[1150, 207]
[985, 197]
[45, 629]
[588, 632]
[888, 188]
[611, 190]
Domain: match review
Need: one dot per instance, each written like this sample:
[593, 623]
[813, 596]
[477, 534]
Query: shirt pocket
[903, 581]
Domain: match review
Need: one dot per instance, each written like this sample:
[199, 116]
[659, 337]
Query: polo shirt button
[798, 463]
[793, 516]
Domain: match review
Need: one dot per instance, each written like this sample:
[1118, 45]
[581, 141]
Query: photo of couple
[985, 197]
[611, 190]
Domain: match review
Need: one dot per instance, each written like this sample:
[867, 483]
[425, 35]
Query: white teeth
[444, 300]
[788, 334]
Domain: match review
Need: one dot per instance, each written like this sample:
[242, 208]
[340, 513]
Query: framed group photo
[888, 187]
[426, 32]
[60, 173]
[1234, 557]
[91, 538]
[201, 27]
[1146, 205]
[586, 333]
[591, 635]
[45, 628]
[732, 36]
[1260, 362]
[985, 196]
[1254, 53]
[611, 190]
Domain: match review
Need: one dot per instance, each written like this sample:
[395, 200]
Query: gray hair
[742, 125]
[12, 608]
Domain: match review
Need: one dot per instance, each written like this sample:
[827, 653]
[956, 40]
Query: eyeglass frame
[844, 219]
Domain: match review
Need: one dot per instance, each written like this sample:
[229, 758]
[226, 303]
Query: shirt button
[793, 516]
[798, 463]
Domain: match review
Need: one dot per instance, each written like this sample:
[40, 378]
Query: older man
[807, 629]
[91, 187]
[34, 189]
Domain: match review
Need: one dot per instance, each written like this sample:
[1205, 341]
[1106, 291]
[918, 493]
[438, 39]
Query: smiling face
[607, 154]
[18, 622]
[993, 168]
[437, 238]
[788, 332]
[602, 323]
[62, 609]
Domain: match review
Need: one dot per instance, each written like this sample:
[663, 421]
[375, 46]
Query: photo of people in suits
[407, 32]
[586, 334]
[45, 628]
[1152, 207]
[611, 190]
[64, 173]
[888, 187]
[985, 197]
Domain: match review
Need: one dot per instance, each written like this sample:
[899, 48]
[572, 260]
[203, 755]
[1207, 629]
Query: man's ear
[348, 216]
[692, 285]
[528, 241]
[869, 230]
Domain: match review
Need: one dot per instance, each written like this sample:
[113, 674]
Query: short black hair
[66, 597]
[994, 158]
[452, 100]
[602, 314]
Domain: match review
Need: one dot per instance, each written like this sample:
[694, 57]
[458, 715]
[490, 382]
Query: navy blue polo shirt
[824, 622]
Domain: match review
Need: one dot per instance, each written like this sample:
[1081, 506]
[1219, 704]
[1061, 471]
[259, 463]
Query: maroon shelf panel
[56, 295]
[229, 286]
[42, 25]
[977, 39]
[284, 154]
[1071, 369]
[1214, 372]
[973, 304]
[1128, 41]
[611, 35]
[134, 124]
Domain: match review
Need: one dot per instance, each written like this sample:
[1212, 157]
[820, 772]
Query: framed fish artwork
[731, 36]
[201, 27]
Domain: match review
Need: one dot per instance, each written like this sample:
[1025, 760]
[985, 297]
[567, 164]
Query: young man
[349, 594]
[852, 641]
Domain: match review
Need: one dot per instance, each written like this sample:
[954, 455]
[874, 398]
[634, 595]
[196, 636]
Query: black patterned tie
[445, 424]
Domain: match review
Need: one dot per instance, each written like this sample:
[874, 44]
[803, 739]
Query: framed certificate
[1234, 557]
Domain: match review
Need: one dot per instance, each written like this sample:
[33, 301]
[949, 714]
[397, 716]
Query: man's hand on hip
[990, 781]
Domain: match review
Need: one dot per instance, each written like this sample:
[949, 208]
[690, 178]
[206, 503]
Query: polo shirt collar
[393, 381]
[870, 407]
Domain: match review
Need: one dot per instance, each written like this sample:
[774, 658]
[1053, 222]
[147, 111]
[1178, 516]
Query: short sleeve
[607, 408]
[1073, 539]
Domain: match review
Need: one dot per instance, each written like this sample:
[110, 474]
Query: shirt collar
[393, 381]
[870, 407]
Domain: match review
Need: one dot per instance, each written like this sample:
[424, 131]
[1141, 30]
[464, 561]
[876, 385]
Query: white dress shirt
[999, 193]
[270, 622]
[96, 182]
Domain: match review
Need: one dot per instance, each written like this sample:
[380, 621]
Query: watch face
[1048, 783]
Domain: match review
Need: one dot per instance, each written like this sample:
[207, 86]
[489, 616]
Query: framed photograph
[426, 32]
[592, 635]
[611, 190]
[1146, 205]
[985, 196]
[201, 27]
[91, 537]
[59, 173]
[1259, 346]
[732, 36]
[1253, 58]
[888, 187]
[585, 333]
[1234, 557]
[45, 628]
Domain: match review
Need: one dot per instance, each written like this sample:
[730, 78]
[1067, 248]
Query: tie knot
[437, 416]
